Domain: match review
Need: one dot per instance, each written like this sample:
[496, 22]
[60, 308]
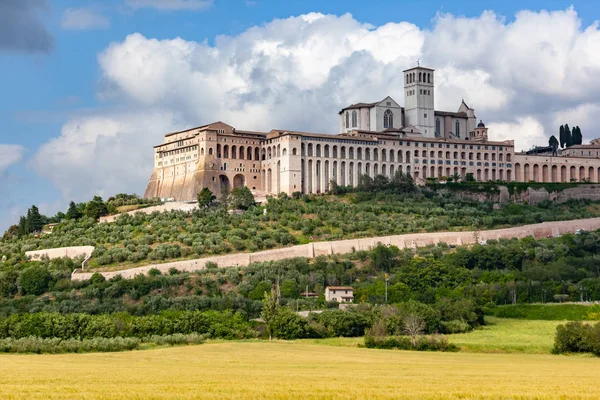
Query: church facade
[374, 138]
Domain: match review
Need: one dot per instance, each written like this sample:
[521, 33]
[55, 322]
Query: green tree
[23, 230]
[568, 136]
[553, 142]
[270, 309]
[34, 280]
[384, 258]
[562, 137]
[288, 325]
[577, 137]
[289, 289]
[73, 212]
[96, 208]
[35, 221]
[205, 198]
[241, 198]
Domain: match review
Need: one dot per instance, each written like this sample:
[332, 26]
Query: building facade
[375, 138]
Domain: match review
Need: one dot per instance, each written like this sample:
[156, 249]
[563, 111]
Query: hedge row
[226, 325]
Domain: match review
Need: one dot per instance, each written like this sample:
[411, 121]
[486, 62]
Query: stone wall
[60, 252]
[531, 195]
[545, 229]
[176, 205]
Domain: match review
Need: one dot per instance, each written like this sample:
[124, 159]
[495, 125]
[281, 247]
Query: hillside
[148, 238]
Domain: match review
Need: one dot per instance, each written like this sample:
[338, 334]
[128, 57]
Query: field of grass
[548, 311]
[284, 370]
[500, 335]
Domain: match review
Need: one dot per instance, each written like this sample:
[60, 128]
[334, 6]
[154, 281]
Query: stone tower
[418, 99]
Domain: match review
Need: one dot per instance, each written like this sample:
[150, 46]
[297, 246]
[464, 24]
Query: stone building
[375, 138]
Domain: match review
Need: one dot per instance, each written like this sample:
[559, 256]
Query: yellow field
[284, 370]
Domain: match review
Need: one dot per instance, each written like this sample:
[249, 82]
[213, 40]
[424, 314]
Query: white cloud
[10, 154]
[97, 154]
[525, 131]
[170, 4]
[296, 73]
[83, 19]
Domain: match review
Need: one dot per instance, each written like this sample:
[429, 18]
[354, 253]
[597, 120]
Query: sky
[88, 87]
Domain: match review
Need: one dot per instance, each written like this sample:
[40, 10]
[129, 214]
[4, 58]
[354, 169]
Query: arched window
[420, 77]
[388, 119]
[437, 126]
[429, 78]
[457, 128]
[294, 151]
[347, 119]
[354, 119]
[284, 152]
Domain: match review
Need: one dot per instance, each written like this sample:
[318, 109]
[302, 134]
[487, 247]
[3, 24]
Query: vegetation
[233, 370]
[502, 335]
[33, 222]
[548, 312]
[213, 324]
[378, 207]
[422, 343]
[568, 138]
[577, 337]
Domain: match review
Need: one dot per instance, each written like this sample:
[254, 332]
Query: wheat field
[285, 370]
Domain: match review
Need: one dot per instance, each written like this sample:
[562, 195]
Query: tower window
[457, 128]
[347, 119]
[437, 126]
[388, 119]
[354, 119]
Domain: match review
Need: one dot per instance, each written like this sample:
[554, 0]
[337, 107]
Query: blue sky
[88, 86]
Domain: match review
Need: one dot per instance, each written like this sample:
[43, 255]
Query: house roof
[339, 288]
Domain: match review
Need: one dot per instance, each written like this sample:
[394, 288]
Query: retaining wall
[60, 252]
[545, 229]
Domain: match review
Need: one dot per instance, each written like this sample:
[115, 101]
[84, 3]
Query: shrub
[38, 345]
[34, 280]
[577, 337]
[423, 343]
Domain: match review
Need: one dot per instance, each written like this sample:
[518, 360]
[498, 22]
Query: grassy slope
[284, 370]
[500, 335]
[548, 312]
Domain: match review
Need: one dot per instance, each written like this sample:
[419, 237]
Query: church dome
[481, 124]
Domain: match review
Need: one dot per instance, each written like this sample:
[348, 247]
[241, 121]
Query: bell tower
[418, 99]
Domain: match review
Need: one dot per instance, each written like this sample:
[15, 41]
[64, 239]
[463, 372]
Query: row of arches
[358, 153]
[554, 173]
[317, 174]
[420, 77]
[250, 153]
[481, 174]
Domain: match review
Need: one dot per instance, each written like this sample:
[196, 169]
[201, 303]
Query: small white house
[341, 294]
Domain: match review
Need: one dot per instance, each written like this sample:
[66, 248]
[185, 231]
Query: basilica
[376, 138]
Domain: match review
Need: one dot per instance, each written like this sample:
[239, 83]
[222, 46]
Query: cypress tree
[568, 136]
[561, 136]
[35, 221]
[577, 137]
[553, 142]
[73, 211]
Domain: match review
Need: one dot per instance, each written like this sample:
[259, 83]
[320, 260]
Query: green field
[500, 335]
[285, 370]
